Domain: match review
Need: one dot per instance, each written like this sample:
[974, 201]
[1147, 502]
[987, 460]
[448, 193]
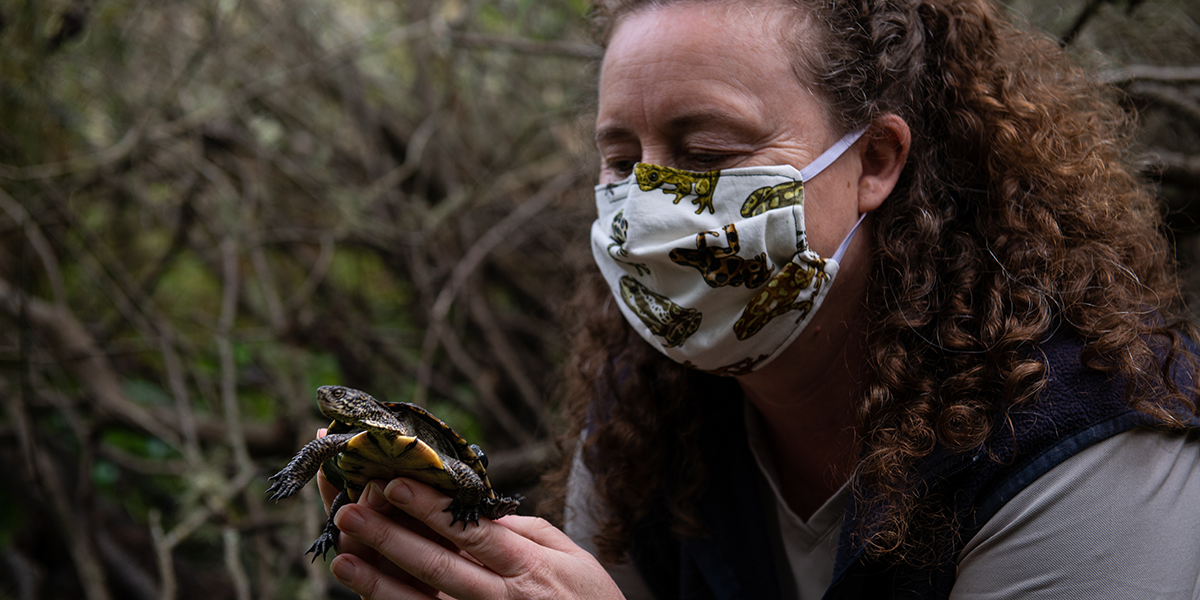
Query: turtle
[369, 439]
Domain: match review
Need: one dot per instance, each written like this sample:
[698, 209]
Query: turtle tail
[494, 508]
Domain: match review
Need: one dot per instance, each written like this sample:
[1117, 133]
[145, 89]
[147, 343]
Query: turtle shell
[419, 452]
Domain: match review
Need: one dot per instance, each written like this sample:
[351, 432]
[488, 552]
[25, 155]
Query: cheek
[830, 210]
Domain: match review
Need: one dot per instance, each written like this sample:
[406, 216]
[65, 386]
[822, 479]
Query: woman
[933, 349]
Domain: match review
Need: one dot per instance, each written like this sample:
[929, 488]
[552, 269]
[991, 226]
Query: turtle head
[354, 407]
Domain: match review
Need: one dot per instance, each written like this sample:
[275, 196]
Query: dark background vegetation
[210, 207]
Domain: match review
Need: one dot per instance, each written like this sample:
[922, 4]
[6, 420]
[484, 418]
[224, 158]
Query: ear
[883, 158]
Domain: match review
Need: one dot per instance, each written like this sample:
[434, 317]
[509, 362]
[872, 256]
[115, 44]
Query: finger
[328, 492]
[373, 584]
[496, 547]
[373, 498]
[516, 562]
[541, 532]
[439, 567]
[389, 570]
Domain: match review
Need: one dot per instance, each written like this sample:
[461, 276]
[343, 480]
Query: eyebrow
[613, 134]
[680, 123]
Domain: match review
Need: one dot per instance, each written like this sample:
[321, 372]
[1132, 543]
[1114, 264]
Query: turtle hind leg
[467, 513]
[468, 501]
[329, 536]
[472, 501]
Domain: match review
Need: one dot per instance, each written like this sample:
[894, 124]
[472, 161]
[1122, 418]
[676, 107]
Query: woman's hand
[397, 542]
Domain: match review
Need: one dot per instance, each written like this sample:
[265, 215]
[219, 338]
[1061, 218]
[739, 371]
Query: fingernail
[348, 520]
[343, 568]
[399, 492]
[373, 496]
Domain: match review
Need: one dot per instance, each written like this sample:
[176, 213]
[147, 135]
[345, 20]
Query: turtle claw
[462, 512]
[285, 484]
[321, 547]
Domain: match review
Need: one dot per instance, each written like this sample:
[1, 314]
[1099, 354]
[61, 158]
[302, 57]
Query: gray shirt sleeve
[1119, 520]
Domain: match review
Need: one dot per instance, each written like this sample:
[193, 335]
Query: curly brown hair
[1018, 215]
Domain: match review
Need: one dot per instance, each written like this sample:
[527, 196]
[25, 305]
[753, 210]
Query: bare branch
[1180, 74]
[1170, 98]
[40, 245]
[162, 553]
[77, 350]
[126, 569]
[229, 398]
[1178, 169]
[142, 133]
[233, 562]
[76, 530]
[484, 383]
[317, 274]
[507, 355]
[507, 230]
[183, 401]
[27, 574]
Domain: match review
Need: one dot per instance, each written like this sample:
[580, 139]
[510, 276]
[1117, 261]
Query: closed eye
[620, 168]
[705, 161]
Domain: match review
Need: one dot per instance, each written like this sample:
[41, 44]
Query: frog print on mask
[620, 228]
[661, 316]
[678, 182]
[722, 266]
[777, 298]
[772, 197]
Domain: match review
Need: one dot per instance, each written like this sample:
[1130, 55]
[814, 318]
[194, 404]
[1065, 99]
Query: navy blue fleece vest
[736, 559]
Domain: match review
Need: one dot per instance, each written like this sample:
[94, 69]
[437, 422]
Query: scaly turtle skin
[369, 440]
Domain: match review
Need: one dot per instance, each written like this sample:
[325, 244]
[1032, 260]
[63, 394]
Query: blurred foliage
[211, 208]
[208, 209]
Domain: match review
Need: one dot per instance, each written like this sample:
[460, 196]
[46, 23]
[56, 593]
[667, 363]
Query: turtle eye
[339, 392]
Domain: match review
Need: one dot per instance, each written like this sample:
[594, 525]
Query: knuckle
[366, 585]
[474, 536]
[377, 533]
[537, 580]
[436, 568]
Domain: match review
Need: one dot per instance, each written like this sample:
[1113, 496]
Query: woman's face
[703, 86]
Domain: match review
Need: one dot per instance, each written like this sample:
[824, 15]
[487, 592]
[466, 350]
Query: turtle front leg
[329, 536]
[305, 464]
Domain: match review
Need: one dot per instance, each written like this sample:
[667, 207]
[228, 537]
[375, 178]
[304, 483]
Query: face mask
[714, 268]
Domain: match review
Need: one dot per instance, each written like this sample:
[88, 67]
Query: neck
[808, 396]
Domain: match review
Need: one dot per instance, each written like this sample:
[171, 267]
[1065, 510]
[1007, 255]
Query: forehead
[688, 56]
[707, 24]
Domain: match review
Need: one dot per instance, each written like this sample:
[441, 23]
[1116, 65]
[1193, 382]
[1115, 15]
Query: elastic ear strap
[827, 157]
[837, 256]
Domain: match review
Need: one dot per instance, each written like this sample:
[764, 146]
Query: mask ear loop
[824, 160]
[833, 153]
[841, 251]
